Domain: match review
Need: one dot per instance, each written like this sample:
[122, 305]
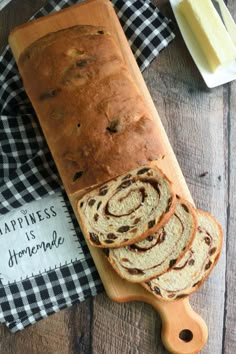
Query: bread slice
[159, 252]
[127, 209]
[189, 274]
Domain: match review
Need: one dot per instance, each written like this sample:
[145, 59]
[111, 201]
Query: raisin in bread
[95, 121]
[159, 252]
[189, 274]
[126, 209]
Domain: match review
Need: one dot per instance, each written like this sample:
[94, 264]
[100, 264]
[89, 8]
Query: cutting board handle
[183, 330]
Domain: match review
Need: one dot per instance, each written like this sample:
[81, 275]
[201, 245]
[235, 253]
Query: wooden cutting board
[178, 318]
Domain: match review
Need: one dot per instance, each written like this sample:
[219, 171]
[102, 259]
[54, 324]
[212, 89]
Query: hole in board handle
[186, 335]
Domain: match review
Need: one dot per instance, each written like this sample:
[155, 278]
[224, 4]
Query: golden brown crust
[217, 255]
[96, 123]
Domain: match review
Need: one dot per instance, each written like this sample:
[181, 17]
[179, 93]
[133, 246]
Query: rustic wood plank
[230, 307]
[78, 324]
[14, 14]
[48, 336]
[66, 332]
[229, 343]
[125, 328]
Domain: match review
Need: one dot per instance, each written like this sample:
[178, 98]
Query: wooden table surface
[201, 126]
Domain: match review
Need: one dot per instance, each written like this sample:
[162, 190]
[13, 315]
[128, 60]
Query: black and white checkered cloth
[28, 173]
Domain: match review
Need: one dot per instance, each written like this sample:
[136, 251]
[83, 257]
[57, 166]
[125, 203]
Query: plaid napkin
[28, 173]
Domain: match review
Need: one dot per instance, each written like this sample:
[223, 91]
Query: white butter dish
[212, 79]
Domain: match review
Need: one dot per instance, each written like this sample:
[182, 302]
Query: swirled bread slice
[189, 274]
[159, 252]
[127, 209]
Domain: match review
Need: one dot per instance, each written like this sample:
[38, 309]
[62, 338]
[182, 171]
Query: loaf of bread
[105, 143]
[191, 271]
[126, 209]
[94, 119]
[160, 251]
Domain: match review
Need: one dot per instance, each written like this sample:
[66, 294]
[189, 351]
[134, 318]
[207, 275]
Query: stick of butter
[209, 31]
